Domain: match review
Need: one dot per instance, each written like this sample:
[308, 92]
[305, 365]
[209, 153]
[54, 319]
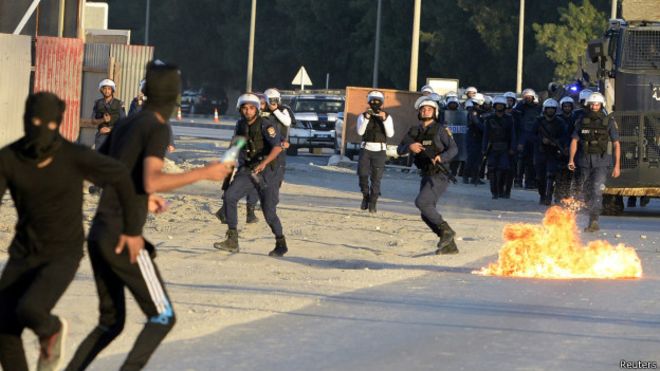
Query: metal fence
[15, 62]
[128, 66]
[58, 69]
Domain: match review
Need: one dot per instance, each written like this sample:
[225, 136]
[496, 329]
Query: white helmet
[584, 95]
[550, 103]
[510, 94]
[451, 99]
[427, 89]
[478, 99]
[469, 103]
[528, 92]
[430, 103]
[248, 98]
[488, 100]
[107, 82]
[567, 100]
[595, 98]
[375, 94]
[435, 97]
[272, 95]
[471, 89]
[500, 99]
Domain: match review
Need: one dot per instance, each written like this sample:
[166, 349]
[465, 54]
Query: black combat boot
[448, 249]
[593, 224]
[549, 190]
[230, 244]
[365, 202]
[372, 203]
[446, 245]
[280, 247]
[220, 214]
[251, 218]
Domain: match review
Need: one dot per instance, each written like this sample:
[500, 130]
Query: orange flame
[554, 250]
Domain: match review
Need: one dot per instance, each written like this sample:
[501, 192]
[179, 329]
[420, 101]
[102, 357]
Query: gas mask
[375, 105]
[40, 140]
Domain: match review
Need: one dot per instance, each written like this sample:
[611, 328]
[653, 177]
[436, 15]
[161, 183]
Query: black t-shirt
[131, 141]
[49, 200]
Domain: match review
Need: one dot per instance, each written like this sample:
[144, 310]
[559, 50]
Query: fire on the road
[554, 250]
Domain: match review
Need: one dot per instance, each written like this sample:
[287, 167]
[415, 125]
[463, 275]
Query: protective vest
[113, 109]
[594, 135]
[550, 130]
[375, 131]
[255, 150]
[423, 160]
[499, 133]
[528, 118]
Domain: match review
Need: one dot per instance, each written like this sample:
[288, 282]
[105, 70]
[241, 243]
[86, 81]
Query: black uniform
[550, 152]
[498, 143]
[437, 140]
[47, 247]
[132, 141]
[565, 177]
[525, 115]
[115, 108]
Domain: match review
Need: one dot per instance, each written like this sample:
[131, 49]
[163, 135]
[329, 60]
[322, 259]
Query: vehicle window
[318, 105]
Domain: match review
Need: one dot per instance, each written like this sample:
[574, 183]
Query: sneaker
[52, 349]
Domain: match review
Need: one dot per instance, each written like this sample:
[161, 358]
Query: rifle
[484, 159]
[560, 149]
[440, 167]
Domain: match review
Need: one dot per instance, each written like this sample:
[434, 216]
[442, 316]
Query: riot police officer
[525, 114]
[471, 92]
[432, 146]
[511, 100]
[426, 90]
[375, 126]
[282, 116]
[106, 112]
[582, 102]
[564, 176]
[549, 150]
[474, 140]
[593, 131]
[457, 120]
[499, 144]
[257, 169]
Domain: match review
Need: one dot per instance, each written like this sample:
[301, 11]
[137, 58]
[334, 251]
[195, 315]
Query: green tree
[566, 41]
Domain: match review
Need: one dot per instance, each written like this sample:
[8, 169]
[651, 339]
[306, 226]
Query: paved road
[446, 320]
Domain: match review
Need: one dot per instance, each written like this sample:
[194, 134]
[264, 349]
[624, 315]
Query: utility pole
[146, 23]
[521, 29]
[414, 54]
[377, 44]
[253, 18]
[613, 12]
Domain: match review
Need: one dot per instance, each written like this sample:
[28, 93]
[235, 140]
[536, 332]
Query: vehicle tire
[292, 151]
[612, 205]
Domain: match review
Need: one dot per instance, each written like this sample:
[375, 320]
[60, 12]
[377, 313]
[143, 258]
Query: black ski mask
[375, 105]
[40, 141]
[163, 87]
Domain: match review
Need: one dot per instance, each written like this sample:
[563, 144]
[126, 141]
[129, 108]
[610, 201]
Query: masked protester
[374, 126]
[140, 143]
[257, 168]
[589, 146]
[45, 174]
[432, 146]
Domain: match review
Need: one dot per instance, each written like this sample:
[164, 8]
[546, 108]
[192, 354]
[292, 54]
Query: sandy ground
[334, 247]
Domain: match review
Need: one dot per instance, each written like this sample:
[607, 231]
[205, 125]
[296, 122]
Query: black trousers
[371, 165]
[29, 289]
[112, 274]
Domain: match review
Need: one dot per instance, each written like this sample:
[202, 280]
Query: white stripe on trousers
[151, 279]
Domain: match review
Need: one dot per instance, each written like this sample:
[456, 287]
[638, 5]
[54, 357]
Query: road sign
[302, 79]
